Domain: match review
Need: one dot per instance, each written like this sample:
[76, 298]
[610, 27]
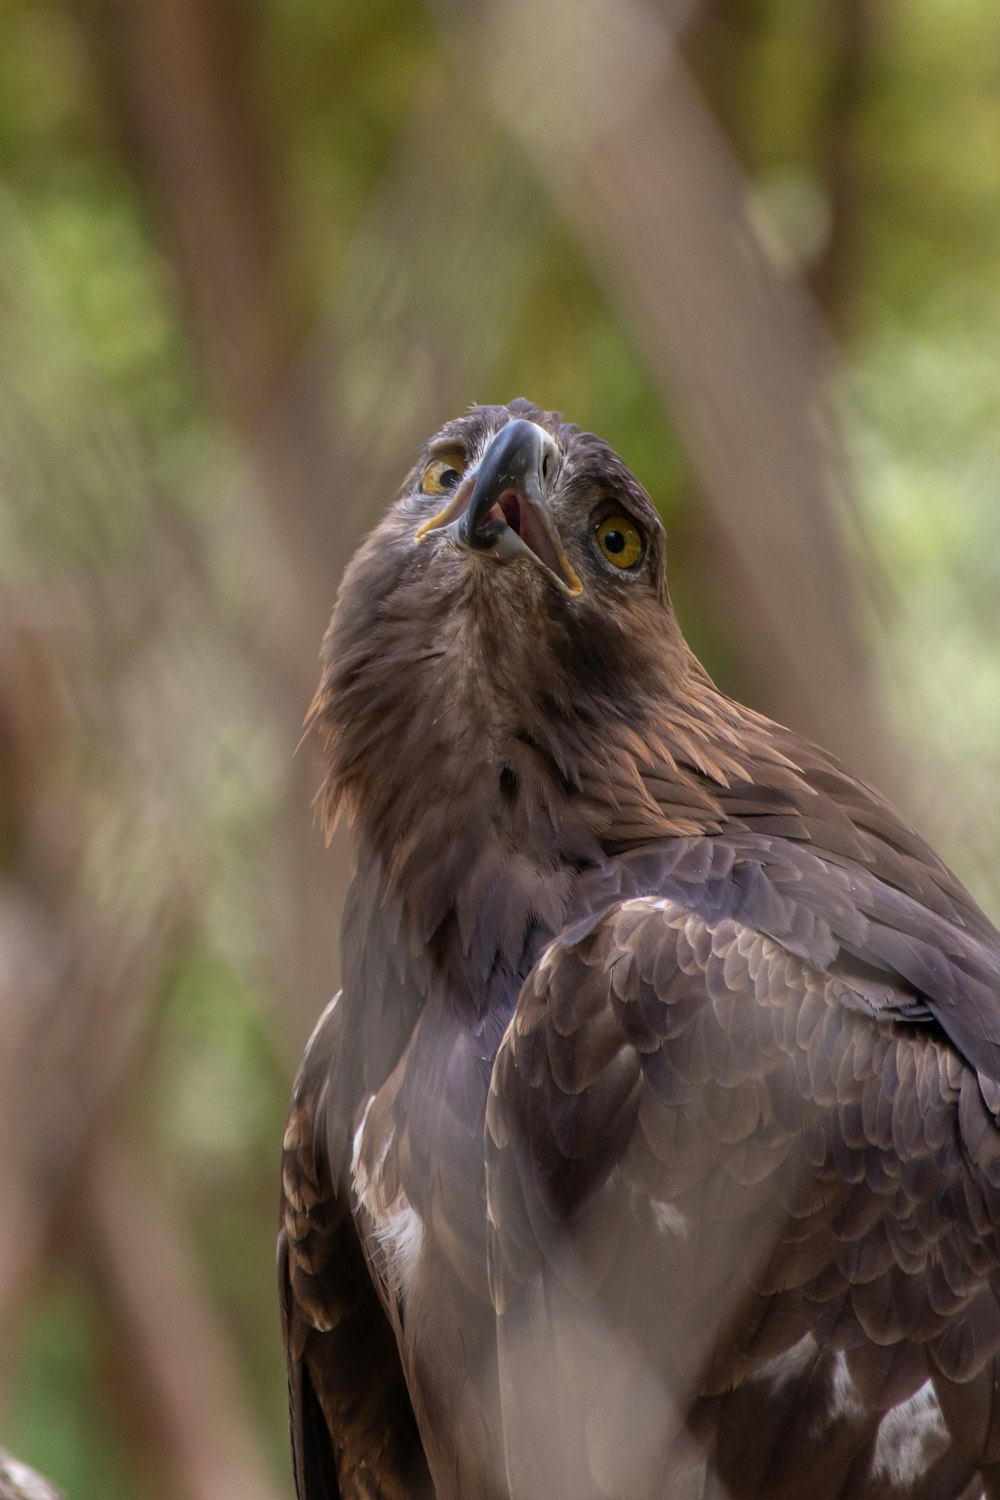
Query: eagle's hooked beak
[500, 508]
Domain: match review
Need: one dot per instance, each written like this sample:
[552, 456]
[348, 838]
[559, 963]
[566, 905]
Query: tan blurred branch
[182, 1369]
[75, 989]
[178, 78]
[67, 1066]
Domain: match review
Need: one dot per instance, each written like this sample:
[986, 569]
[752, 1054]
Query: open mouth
[483, 527]
[500, 509]
[509, 506]
[531, 524]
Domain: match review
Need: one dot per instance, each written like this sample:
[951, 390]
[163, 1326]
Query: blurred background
[251, 254]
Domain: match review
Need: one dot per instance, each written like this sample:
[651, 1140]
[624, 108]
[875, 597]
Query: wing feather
[352, 1427]
[712, 1178]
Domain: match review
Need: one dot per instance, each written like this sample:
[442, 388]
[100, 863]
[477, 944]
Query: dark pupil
[448, 478]
[614, 541]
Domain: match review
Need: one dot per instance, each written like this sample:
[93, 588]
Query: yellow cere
[619, 540]
[442, 474]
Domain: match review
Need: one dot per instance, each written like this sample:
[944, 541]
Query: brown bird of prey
[651, 1146]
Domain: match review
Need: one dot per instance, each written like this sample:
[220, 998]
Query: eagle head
[508, 625]
[529, 545]
[516, 481]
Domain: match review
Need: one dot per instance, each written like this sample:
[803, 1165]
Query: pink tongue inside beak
[509, 506]
[527, 523]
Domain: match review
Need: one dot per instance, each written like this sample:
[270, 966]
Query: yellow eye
[620, 541]
[442, 474]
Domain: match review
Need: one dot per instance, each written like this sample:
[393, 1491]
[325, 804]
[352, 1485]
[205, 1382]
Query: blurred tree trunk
[719, 43]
